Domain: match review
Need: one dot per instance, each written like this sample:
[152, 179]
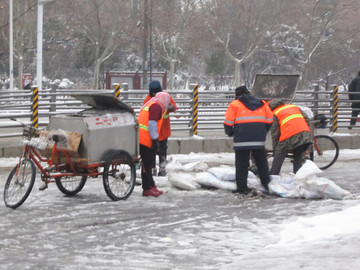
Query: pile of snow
[304, 184]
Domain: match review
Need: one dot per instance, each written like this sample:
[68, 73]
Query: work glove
[156, 146]
[229, 130]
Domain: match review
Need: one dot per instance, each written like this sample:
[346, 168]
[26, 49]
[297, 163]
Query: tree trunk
[238, 80]
[171, 75]
[96, 73]
[145, 45]
[304, 76]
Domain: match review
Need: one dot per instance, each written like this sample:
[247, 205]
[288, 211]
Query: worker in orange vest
[150, 120]
[289, 132]
[165, 131]
[248, 119]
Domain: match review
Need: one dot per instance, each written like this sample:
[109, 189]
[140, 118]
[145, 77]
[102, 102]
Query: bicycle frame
[68, 169]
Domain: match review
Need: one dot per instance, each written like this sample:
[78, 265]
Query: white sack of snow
[328, 189]
[183, 181]
[285, 186]
[306, 171]
[251, 175]
[225, 173]
[173, 164]
[255, 183]
[210, 180]
[308, 187]
[195, 166]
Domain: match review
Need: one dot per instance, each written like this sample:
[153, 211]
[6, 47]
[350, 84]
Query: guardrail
[197, 110]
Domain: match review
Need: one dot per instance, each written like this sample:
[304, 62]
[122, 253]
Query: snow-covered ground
[199, 229]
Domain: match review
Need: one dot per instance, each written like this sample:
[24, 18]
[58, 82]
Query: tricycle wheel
[19, 183]
[119, 175]
[70, 185]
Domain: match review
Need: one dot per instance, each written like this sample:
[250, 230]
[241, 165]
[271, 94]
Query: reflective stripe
[166, 116]
[253, 118]
[229, 122]
[276, 111]
[249, 143]
[146, 108]
[144, 127]
[290, 117]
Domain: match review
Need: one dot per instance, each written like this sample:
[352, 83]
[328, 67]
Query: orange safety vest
[143, 120]
[238, 113]
[165, 131]
[291, 121]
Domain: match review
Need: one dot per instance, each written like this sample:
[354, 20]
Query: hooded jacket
[248, 119]
[165, 131]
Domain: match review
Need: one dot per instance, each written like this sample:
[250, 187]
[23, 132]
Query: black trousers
[163, 153]
[297, 162]
[148, 162]
[355, 112]
[242, 164]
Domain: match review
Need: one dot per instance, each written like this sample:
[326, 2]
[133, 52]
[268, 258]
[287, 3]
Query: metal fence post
[53, 98]
[335, 102]
[117, 89]
[125, 87]
[35, 106]
[316, 99]
[195, 103]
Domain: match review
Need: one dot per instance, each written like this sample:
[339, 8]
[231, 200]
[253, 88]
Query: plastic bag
[307, 170]
[195, 166]
[183, 181]
[210, 180]
[224, 173]
[328, 189]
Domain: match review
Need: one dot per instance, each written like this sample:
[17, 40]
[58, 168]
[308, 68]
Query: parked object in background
[354, 87]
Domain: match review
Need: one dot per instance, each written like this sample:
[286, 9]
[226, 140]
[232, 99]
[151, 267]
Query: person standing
[354, 87]
[289, 132]
[248, 119]
[165, 131]
[150, 120]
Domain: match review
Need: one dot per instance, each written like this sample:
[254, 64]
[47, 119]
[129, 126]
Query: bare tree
[316, 30]
[100, 21]
[241, 27]
[169, 31]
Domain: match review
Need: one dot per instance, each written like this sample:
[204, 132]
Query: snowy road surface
[202, 229]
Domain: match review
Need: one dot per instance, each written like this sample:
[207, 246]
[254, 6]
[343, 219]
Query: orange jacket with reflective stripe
[165, 131]
[250, 126]
[291, 121]
[143, 120]
[238, 113]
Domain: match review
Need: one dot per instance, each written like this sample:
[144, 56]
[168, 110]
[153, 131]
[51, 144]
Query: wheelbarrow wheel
[19, 183]
[70, 185]
[119, 175]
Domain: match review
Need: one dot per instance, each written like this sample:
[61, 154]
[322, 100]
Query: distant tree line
[211, 42]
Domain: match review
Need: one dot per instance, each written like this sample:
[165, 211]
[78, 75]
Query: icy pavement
[202, 229]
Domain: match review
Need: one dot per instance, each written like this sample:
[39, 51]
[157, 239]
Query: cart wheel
[70, 185]
[19, 183]
[119, 176]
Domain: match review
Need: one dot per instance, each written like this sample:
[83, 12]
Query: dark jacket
[248, 133]
[354, 87]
